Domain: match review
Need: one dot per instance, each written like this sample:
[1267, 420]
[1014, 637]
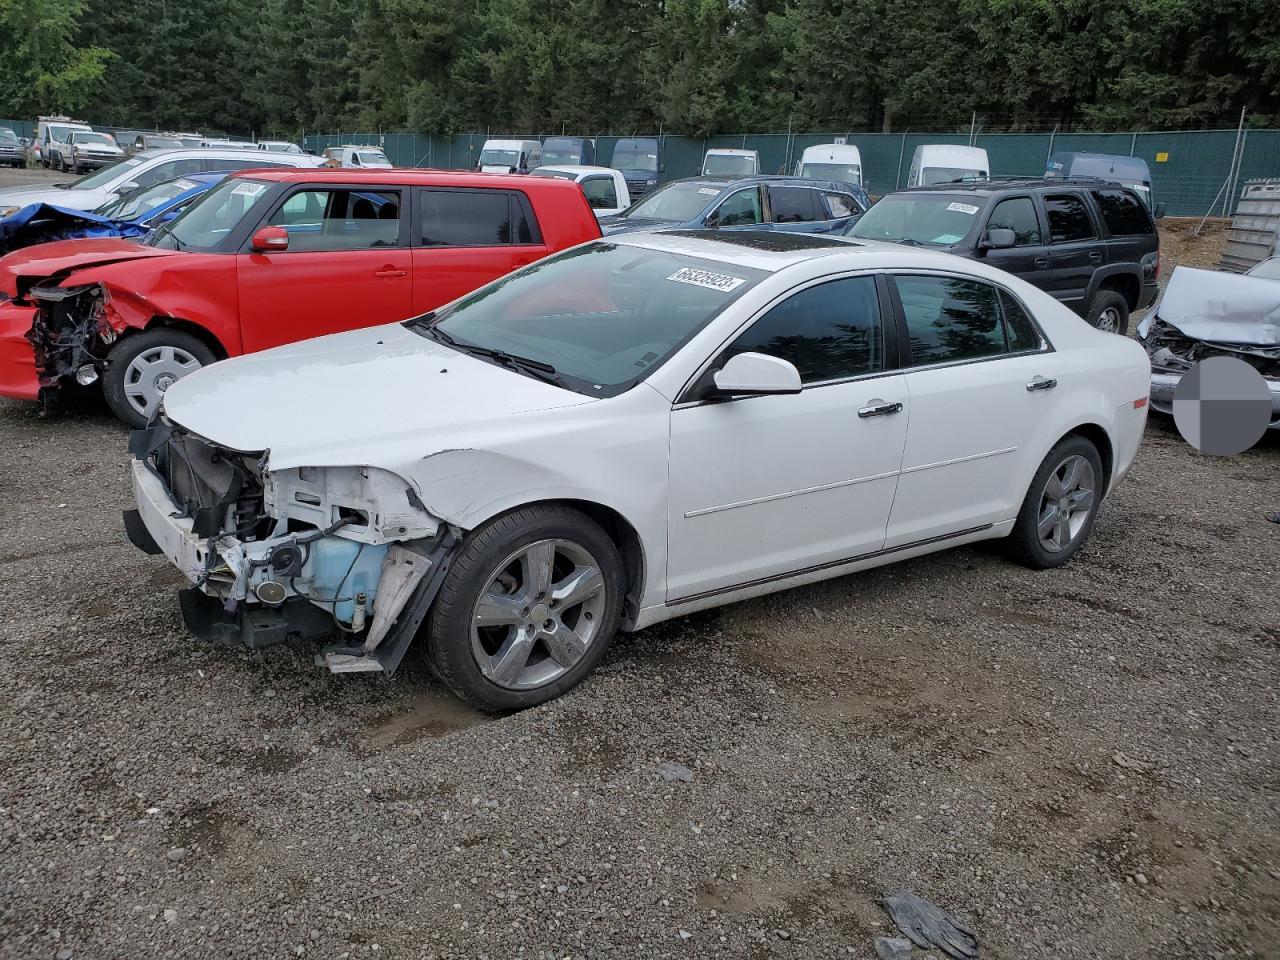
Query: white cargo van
[509, 156]
[831, 161]
[945, 162]
[734, 163]
[51, 131]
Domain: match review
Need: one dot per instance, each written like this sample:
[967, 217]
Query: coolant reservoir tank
[340, 569]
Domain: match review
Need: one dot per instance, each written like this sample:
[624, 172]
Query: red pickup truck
[267, 257]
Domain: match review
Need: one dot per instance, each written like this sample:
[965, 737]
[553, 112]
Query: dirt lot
[1079, 763]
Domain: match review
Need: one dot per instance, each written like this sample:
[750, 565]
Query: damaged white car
[629, 431]
[1208, 313]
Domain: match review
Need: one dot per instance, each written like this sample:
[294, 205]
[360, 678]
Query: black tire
[129, 349]
[448, 633]
[1024, 544]
[1109, 312]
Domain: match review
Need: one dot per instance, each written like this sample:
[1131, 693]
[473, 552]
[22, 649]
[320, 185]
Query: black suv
[1090, 243]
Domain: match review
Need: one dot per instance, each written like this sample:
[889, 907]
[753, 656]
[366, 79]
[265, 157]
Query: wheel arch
[194, 329]
[1125, 280]
[1096, 434]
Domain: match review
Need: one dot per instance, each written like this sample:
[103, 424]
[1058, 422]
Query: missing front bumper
[251, 625]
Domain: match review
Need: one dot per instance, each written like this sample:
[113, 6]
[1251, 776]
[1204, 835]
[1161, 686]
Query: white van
[945, 162]
[831, 161]
[51, 131]
[720, 162]
[509, 156]
[357, 155]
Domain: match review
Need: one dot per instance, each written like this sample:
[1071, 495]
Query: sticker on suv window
[958, 207]
[704, 278]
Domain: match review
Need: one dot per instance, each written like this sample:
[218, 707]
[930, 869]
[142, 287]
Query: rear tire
[1056, 514]
[501, 635]
[142, 366]
[1109, 312]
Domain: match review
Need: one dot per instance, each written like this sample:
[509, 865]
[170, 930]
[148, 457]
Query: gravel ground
[1078, 763]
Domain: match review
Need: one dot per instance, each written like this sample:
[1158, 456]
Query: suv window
[829, 332]
[794, 205]
[167, 171]
[950, 319]
[1123, 213]
[475, 218]
[1019, 215]
[214, 165]
[1069, 218]
[842, 205]
[740, 209]
[339, 220]
[600, 192]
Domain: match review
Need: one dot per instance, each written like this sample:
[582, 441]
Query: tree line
[694, 67]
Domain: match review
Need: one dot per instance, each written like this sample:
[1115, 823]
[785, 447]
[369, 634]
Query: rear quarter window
[1123, 213]
[475, 218]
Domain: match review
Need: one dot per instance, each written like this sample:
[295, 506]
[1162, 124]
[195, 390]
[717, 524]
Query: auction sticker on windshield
[963, 208]
[248, 189]
[704, 278]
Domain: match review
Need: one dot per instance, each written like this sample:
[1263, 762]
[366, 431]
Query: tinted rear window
[1123, 213]
[1069, 218]
[475, 218]
[794, 205]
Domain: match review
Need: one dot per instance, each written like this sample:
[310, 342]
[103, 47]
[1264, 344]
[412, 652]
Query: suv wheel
[528, 608]
[1060, 506]
[141, 367]
[1109, 312]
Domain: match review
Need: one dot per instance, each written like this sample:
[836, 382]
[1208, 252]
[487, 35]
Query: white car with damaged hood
[629, 431]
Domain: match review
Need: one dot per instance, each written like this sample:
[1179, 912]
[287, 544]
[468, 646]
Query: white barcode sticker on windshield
[968, 208]
[247, 189]
[704, 278]
[709, 191]
[184, 184]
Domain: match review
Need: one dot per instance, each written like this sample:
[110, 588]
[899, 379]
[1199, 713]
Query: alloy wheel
[1109, 320]
[1066, 503]
[154, 371]
[538, 614]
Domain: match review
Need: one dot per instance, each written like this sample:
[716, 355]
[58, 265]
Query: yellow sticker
[1162, 156]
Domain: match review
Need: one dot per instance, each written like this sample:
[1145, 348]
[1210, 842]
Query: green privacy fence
[1188, 168]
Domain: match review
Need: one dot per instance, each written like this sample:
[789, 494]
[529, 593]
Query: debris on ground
[892, 948]
[670, 771]
[1130, 763]
[929, 926]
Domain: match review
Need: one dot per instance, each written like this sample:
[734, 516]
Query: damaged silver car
[1208, 313]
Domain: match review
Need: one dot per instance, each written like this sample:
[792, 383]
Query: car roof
[734, 151]
[767, 250]
[405, 176]
[219, 153]
[575, 168]
[779, 180]
[1002, 184]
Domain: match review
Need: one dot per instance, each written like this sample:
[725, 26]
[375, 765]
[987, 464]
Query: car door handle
[878, 408]
[1095, 256]
[390, 273]
[1042, 262]
[1042, 383]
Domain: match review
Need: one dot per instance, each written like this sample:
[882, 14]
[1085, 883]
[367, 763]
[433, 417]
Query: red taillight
[1139, 403]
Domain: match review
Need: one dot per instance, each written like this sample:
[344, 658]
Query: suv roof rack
[996, 182]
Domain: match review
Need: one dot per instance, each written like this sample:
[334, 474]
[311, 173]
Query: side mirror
[756, 374]
[1001, 238]
[270, 240]
[1159, 211]
[713, 220]
[127, 187]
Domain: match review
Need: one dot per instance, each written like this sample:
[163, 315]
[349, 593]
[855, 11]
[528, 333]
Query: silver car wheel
[538, 614]
[1109, 320]
[1065, 503]
[154, 371]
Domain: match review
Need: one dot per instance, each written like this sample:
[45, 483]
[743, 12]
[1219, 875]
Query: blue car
[132, 215]
[793, 204]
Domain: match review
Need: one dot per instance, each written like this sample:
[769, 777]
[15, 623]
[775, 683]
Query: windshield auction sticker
[249, 188]
[968, 208]
[704, 278]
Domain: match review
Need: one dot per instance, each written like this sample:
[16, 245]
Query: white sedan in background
[604, 187]
[626, 432]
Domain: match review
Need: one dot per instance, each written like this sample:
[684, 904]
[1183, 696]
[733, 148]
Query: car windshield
[595, 319]
[372, 156]
[104, 176]
[950, 174]
[206, 223]
[722, 164]
[62, 134]
[137, 202]
[1268, 269]
[914, 218]
[844, 172]
[499, 158]
[676, 202]
[7, 135]
[93, 138]
[567, 155]
[643, 158]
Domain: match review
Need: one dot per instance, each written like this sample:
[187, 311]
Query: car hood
[76, 199]
[64, 256]
[612, 225]
[380, 396]
[1222, 307]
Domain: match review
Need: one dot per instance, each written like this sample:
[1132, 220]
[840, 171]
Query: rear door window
[475, 218]
[1123, 213]
[1069, 219]
[336, 219]
[795, 205]
[1019, 215]
[950, 319]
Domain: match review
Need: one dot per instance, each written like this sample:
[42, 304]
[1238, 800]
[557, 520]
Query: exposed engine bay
[295, 554]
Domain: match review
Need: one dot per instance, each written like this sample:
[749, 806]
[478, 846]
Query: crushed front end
[301, 554]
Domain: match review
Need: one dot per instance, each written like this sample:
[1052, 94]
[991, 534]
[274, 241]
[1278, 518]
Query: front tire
[529, 606]
[141, 367]
[1060, 506]
[1109, 312]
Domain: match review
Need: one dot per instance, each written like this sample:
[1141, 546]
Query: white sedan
[625, 432]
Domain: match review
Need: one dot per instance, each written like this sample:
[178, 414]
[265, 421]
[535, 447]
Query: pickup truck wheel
[1061, 504]
[1109, 312]
[141, 367]
[528, 608]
